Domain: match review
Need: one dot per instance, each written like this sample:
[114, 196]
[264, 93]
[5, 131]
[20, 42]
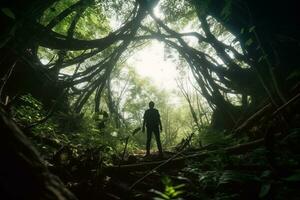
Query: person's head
[151, 104]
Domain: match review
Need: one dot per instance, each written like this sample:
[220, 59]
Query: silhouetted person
[153, 125]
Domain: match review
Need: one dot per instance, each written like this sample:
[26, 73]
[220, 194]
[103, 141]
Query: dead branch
[6, 78]
[296, 97]
[252, 120]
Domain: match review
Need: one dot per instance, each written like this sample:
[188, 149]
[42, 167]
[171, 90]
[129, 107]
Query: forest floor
[239, 172]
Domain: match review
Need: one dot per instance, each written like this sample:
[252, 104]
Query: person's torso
[152, 117]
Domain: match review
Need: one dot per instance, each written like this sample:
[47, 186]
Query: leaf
[8, 13]
[251, 29]
[164, 196]
[179, 186]
[56, 140]
[249, 42]
[293, 178]
[242, 31]
[226, 11]
[177, 193]
[233, 176]
[294, 74]
[266, 173]
[264, 190]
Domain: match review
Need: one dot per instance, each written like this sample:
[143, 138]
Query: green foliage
[265, 189]
[57, 8]
[8, 13]
[219, 183]
[213, 137]
[226, 11]
[223, 176]
[249, 42]
[294, 177]
[230, 176]
[83, 131]
[29, 111]
[93, 22]
[208, 179]
[177, 13]
[170, 192]
[76, 131]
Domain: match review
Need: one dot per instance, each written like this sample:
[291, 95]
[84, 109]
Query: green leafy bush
[171, 192]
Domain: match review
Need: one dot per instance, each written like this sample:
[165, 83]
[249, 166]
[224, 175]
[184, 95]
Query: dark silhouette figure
[153, 124]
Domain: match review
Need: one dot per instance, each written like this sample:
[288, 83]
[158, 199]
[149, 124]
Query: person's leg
[157, 137]
[149, 136]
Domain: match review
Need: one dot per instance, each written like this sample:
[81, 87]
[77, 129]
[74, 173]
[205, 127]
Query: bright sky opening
[149, 62]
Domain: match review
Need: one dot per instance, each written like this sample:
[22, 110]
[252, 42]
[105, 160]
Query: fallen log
[179, 162]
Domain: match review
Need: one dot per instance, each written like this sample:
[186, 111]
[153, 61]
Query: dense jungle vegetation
[72, 106]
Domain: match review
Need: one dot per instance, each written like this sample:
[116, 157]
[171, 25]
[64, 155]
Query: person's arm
[144, 123]
[159, 121]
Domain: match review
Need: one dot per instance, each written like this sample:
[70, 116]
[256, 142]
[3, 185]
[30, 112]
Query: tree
[216, 75]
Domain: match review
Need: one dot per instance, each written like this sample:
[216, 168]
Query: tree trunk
[23, 174]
